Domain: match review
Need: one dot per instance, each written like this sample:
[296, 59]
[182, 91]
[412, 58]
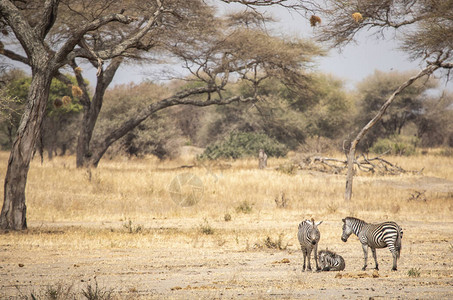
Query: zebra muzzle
[344, 239]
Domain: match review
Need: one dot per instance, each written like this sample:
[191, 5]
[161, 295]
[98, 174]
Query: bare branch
[62, 55]
[14, 56]
[178, 99]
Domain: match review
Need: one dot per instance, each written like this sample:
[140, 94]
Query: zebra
[331, 261]
[309, 236]
[386, 234]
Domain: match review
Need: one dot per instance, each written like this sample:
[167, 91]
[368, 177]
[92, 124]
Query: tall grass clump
[244, 207]
[414, 272]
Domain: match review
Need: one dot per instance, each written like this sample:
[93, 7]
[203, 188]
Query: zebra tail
[398, 244]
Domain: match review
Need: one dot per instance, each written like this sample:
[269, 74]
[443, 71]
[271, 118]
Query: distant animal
[382, 235]
[331, 261]
[309, 237]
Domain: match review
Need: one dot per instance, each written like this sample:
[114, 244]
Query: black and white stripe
[386, 234]
[331, 261]
[309, 236]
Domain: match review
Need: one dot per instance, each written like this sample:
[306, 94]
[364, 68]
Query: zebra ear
[344, 220]
[318, 223]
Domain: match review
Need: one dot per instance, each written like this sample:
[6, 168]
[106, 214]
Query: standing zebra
[309, 236]
[387, 234]
[330, 261]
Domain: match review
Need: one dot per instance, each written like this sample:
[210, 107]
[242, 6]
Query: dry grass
[137, 190]
[125, 204]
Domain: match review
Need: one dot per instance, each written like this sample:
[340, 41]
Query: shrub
[96, 293]
[245, 207]
[245, 144]
[277, 244]
[414, 272]
[396, 145]
[205, 228]
[227, 217]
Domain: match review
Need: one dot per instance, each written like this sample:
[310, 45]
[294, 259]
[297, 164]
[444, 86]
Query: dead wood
[374, 165]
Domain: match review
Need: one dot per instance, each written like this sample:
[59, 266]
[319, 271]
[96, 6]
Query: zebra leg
[309, 255]
[365, 256]
[304, 252]
[316, 258]
[373, 250]
[394, 260]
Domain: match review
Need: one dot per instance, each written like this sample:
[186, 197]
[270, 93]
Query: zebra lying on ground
[309, 236]
[330, 261]
[387, 234]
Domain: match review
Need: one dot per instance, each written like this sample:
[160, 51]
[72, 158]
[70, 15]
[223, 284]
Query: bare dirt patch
[179, 263]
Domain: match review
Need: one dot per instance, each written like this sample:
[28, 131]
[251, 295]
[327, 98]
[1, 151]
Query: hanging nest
[357, 17]
[57, 103]
[66, 100]
[76, 91]
[78, 70]
[315, 20]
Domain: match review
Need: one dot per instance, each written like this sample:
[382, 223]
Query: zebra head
[314, 232]
[347, 230]
[322, 258]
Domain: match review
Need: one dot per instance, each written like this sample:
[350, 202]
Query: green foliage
[374, 90]
[395, 145]
[158, 135]
[57, 121]
[245, 144]
[330, 116]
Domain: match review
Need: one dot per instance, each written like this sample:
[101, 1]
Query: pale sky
[355, 62]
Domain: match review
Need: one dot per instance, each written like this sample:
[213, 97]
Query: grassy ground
[116, 231]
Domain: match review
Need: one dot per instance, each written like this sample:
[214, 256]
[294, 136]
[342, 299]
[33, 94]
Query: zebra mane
[304, 221]
[328, 252]
[355, 219]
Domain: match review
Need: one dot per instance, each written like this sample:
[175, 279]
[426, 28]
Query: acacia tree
[29, 23]
[425, 31]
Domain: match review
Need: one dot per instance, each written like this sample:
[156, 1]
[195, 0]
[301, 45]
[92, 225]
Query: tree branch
[122, 47]
[178, 99]
[351, 156]
[14, 56]
[48, 18]
[62, 54]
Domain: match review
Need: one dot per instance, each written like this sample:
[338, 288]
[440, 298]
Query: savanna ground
[115, 232]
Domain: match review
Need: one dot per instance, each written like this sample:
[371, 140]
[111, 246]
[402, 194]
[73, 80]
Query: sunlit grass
[137, 190]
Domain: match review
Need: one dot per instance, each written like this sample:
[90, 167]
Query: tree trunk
[13, 215]
[91, 110]
[351, 155]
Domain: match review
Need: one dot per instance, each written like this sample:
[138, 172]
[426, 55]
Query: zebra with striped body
[386, 234]
[331, 261]
[309, 236]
